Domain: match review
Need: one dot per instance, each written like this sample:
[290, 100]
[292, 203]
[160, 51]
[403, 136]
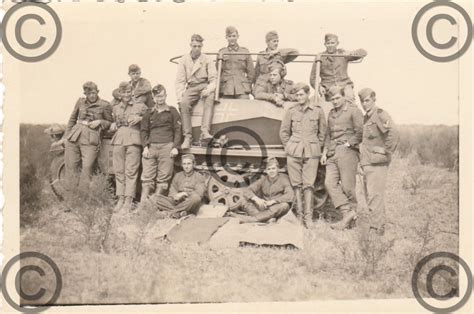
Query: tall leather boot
[348, 214]
[299, 204]
[160, 189]
[308, 208]
[207, 119]
[187, 128]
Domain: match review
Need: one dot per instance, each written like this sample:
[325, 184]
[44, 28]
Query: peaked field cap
[363, 93]
[334, 90]
[88, 86]
[134, 68]
[157, 89]
[231, 29]
[188, 156]
[299, 86]
[123, 86]
[330, 36]
[197, 37]
[272, 161]
[271, 35]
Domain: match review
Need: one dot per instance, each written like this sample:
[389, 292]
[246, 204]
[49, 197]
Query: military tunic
[302, 132]
[141, 92]
[379, 143]
[127, 147]
[263, 63]
[333, 71]
[194, 184]
[270, 189]
[83, 142]
[344, 128]
[237, 74]
[268, 91]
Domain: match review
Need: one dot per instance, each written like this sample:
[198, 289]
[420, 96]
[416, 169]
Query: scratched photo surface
[175, 153]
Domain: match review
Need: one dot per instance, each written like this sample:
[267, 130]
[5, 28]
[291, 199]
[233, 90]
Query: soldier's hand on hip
[323, 160]
[134, 120]
[173, 152]
[94, 124]
[146, 152]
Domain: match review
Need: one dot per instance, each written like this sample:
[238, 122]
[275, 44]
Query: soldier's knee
[194, 199]
[185, 106]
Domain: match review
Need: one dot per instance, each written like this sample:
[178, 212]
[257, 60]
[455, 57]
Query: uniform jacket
[334, 69]
[127, 134]
[303, 130]
[161, 127]
[237, 73]
[272, 189]
[194, 183]
[380, 138]
[266, 92]
[264, 61]
[84, 112]
[203, 70]
[142, 91]
[344, 126]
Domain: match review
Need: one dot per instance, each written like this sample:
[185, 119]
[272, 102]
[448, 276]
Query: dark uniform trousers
[277, 210]
[79, 155]
[158, 166]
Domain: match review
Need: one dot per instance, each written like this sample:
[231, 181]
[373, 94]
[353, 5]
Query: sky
[100, 40]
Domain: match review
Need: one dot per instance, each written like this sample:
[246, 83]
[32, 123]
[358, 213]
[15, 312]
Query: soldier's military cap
[299, 86]
[363, 93]
[188, 156]
[124, 86]
[55, 129]
[197, 37]
[89, 86]
[133, 68]
[230, 29]
[278, 65]
[334, 90]
[158, 89]
[330, 36]
[271, 35]
[272, 161]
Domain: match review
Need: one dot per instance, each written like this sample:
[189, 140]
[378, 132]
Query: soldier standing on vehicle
[186, 191]
[161, 136]
[127, 146]
[141, 87]
[271, 55]
[238, 72]
[334, 69]
[90, 117]
[277, 89]
[302, 132]
[196, 80]
[268, 197]
[341, 155]
[379, 142]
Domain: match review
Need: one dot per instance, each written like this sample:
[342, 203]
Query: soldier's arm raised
[356, 54]
[285, 128]
[288, 54]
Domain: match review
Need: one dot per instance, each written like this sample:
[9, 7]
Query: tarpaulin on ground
[195, 230]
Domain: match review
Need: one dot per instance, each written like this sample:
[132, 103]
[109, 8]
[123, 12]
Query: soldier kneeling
[269, 197]
[186, 191]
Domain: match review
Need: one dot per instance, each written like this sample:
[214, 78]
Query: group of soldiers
[150, 132]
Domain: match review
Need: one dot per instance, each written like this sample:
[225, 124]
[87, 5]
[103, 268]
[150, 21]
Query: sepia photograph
[204, 152]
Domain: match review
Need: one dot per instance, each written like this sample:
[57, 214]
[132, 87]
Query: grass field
[136, 266]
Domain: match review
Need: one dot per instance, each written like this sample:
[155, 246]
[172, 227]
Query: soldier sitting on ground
[269, 197]
[277, 89]
[334, 69]
[186, 191]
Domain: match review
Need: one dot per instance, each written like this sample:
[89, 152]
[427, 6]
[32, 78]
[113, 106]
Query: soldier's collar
[272, 180]
[92, 103]
[188, 175]
[371, 111]
[307, 104]
[233, 48]
[165, 108]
